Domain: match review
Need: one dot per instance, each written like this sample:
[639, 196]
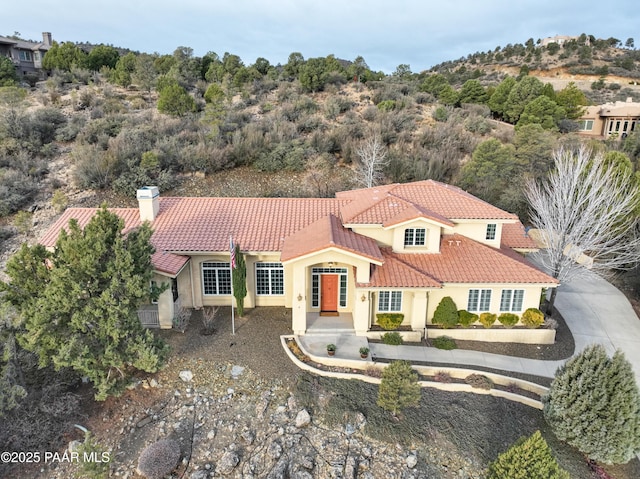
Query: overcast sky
[386, 33]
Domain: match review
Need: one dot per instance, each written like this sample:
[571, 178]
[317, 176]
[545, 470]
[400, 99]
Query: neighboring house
[611, 119]
[560, 40]
[394, 248]
[26, 56]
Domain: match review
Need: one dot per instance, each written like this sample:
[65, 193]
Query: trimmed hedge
[389, 321]
[533, 318]
[445, 342]
[466, 318]
[487, 319]
[393, 339]
[446, 314]
[508, 320]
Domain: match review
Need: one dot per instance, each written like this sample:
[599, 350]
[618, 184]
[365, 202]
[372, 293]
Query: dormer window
[415, 236]
[491, 231]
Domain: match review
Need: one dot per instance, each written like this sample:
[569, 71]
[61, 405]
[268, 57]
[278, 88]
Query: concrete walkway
[595, 312]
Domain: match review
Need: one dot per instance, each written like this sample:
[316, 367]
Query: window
[24, 56]
[315, 285]
[154, 285]
[269, 279]
[216, 279]
[586, 125]
[390, 301]
[491, 231]
[414, 236]
[511, 299]
[479, 300]
[174, 289]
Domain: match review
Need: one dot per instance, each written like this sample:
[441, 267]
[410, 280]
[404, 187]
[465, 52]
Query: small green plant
[479, 381]
[487, 319]
[98, 467]
[59, 201]
[528, 457]
[508, 320]
[533, 318]
[23, 221]
[399, 387]
[393, 339]
[389, 321]
[331, 347]
[466, 318]
[445, 342]
[446, 314]
[364, 351]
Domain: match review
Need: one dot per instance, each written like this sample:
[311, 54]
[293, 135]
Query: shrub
[158, 459]
[446, 314]
[508, 320]
[393, 339]
[440, 114]
[466, 318]
[389, 321]
[23, 221]
[528, 458]
[399, 387]
[479, 381]
[442, 377]
[533, 318]
[445, 342]
[487, 319]
[594, 405]
[94, 469]
[59, 201]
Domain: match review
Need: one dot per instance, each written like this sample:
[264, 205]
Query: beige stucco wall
[200, 299]
[165, 301]
[477, 230]
[432, 243]
[460, 295]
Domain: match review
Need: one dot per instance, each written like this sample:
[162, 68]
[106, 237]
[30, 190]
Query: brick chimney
[148, 202]
[46, 38]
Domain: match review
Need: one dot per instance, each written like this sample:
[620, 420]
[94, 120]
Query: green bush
[508, 320]
[399, 387]
[487, 319]
[393, 339]
[479, 381]
[440, 114]
[389, 321]
[528, 458]
[445, 342]
[466, 318]
[533, 318]
[594, 405]
[446, 314]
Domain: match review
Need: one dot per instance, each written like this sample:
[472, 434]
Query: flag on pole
[232, 250]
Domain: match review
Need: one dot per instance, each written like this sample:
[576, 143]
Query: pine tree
[528, 458]
[240, 281]
[399, 387]
[594, 405]
[79, 303]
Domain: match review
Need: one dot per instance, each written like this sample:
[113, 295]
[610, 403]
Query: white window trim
[491, 235]
[390, 301]
[481, 292]
[315, 275]
[272, 266]
[512, 301]
[216, 268]
[413, 239]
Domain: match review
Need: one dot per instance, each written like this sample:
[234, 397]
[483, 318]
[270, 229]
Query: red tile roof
[395, 273]
[441, 199]
[461, 260]
[515, 236]
[325, 233]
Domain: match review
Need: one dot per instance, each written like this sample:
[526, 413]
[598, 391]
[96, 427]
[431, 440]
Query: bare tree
[373, 159]
[585, 215]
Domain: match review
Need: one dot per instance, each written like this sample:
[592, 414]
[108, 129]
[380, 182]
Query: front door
[329, 292]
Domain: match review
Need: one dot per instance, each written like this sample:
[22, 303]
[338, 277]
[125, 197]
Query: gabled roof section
[326, 233]
[515, 236]
[394, 273]
[162, 261]
[463, 260]
[438, 199]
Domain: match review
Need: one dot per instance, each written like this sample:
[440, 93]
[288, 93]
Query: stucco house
[26, 56]
[620, 119]
[393, 248]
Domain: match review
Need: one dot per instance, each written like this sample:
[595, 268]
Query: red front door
[329, 292]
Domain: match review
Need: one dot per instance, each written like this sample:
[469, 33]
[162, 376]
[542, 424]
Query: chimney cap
[148, 193]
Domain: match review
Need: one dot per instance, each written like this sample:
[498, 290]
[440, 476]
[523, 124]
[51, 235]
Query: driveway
[597, 312]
